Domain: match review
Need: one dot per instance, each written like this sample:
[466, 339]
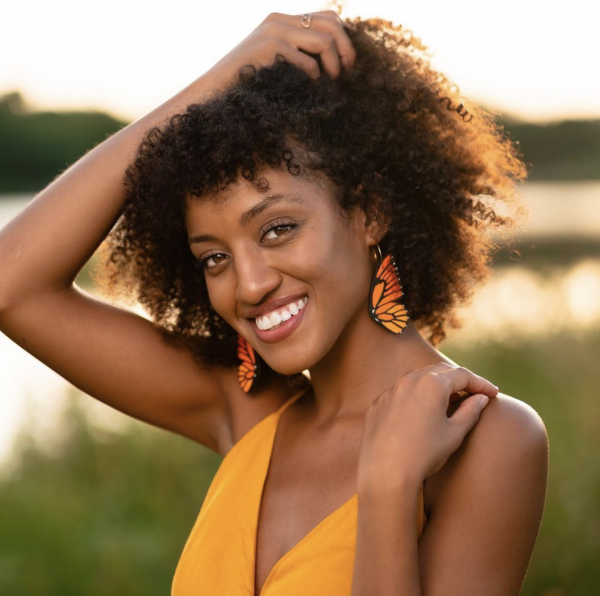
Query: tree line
[37, 146]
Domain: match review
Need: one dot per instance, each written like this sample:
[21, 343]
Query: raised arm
[109, 352]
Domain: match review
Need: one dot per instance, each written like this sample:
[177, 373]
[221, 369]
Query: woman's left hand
[407, 435]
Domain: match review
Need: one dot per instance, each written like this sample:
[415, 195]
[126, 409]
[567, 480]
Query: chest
[306, 483]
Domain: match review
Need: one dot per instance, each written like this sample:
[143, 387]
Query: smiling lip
[286, 328]
[273, 305]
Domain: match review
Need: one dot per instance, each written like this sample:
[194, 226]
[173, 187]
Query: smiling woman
[319, 201]
[389, 136]
[275, 319]
[256, 242]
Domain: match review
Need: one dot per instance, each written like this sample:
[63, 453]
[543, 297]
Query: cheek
[340, 275]
[221, 300]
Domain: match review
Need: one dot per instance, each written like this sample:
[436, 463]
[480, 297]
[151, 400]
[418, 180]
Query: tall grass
[105, 514]
[559, 377]
[110, 512]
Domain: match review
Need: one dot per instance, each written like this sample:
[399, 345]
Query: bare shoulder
[513, 423]
[485, 505]
[510, 413]
[509, 431]
[509, 428]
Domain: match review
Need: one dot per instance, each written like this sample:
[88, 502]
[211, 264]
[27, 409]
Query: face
[263, 250]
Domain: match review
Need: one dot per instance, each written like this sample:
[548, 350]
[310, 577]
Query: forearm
[47, 244]
[386, 559]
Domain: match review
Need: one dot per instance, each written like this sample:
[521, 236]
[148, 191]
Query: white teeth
[275, 318]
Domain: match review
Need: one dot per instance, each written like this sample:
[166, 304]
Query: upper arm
[121, 359]
[489, 501]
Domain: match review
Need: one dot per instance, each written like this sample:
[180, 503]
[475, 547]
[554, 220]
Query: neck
[366, 360]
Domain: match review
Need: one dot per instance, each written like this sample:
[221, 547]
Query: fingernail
[483, 400]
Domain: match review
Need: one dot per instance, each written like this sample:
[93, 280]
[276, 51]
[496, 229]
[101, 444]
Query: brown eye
[287, 227]
[203, 263]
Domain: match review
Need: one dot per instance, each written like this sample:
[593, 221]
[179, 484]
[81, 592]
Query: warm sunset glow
[583, 292]
[519, 303]
[535, 59]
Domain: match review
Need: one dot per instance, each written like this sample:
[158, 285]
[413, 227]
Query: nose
[255, 278]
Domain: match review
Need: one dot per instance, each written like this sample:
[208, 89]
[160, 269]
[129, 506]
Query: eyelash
[201, 263]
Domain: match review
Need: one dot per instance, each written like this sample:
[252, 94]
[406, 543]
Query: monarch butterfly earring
[248, 369]
[385, 305]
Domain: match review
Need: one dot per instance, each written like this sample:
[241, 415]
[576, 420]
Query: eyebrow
[255, 211]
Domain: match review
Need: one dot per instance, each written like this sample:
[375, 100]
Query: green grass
[110, 512]
[558, 377]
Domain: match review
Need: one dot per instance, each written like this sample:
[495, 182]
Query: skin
[485, 473]
[378, 413]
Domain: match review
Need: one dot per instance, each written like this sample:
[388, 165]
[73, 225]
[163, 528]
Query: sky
[536, 60]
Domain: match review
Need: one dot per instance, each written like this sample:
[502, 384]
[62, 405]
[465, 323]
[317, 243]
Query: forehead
[271, 187]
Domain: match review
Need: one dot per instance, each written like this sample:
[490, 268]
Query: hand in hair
[325, 41]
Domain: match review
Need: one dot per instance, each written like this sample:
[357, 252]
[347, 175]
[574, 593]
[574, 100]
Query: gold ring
[306, 18]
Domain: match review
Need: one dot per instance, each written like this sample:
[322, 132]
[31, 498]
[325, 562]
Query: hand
[285, 34]
[407, 435]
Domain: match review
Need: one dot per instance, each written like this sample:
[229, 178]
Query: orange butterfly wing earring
[248, 368]
[385, 306]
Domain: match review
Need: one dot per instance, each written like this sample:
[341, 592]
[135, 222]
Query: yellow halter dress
[218, 558]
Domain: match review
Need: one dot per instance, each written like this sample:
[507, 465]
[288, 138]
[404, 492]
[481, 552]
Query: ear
[374, 218]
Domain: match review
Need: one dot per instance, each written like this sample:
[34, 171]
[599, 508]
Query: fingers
[460, 380]
[330, 22]
[458, 395]
[303, 61]
[455, 383]
[326, 37]
[317, 42]
[467, 415]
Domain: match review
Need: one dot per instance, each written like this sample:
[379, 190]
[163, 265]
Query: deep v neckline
[266, 467]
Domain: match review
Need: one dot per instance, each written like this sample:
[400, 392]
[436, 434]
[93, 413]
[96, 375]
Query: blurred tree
[567, 150]
[35, 147]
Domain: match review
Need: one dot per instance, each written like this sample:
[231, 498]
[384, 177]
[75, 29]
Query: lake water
[559, 208]
[516, 302]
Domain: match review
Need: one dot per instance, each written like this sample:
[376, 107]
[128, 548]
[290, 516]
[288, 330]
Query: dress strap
[292, 399]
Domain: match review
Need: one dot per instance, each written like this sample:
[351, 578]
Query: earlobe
[373, 219]
[377, 226]
[373, 223]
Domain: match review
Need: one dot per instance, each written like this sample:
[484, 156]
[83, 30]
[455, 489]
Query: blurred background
[93, 502]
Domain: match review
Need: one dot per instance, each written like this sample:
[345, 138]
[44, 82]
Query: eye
[202, 264]
[277, 225]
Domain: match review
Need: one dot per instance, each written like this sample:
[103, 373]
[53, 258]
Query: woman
[314, 211]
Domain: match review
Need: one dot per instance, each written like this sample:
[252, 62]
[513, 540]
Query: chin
[294, 367]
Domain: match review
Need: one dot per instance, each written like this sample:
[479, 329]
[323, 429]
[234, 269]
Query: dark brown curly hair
[392, 131]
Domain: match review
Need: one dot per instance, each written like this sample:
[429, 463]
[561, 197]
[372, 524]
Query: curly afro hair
[389, 135]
